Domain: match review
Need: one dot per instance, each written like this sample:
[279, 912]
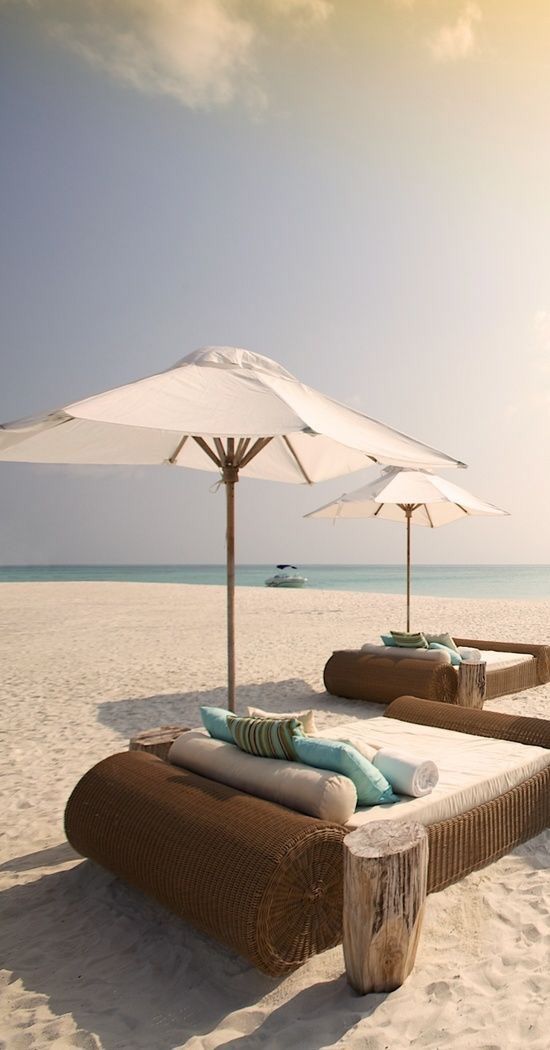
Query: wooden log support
[385, 878]
[157, 741]
[471, 684]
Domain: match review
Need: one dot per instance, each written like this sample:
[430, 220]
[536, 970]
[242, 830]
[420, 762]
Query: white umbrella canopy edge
[418, 497]
[395, 488]
[217, 409]
[222, 392]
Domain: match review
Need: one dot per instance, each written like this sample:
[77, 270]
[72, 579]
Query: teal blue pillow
[456, 658]
[214, 719]
[387, 639]
[372, 787]
[443, 639]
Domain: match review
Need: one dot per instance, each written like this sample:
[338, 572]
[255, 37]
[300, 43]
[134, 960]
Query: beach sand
[90, 963]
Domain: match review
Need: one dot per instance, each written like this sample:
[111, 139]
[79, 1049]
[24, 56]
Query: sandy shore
[90, 963]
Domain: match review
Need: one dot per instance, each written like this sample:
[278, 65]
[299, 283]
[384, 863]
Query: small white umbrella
[223, 409]
[416, 496]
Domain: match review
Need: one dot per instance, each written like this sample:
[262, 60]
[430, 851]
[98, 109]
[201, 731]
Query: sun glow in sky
[357, 189]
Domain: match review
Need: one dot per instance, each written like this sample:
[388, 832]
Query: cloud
[454, 42]
[309, 10]
[203, 53]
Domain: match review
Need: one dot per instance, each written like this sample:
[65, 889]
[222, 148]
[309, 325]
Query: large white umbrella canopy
[224, 409]
[415, 496]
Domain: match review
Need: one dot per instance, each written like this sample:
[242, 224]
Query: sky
[356, 189]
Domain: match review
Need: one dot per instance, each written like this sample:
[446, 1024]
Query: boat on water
[283, 578]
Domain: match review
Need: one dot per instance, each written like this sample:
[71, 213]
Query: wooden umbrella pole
[408, 512]
[231, 461]
[230, 477]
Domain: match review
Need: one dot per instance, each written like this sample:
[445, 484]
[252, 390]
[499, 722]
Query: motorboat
[283, 578]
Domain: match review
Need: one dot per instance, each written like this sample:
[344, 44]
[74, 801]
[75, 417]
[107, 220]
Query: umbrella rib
[252, 452]
[377, 511]
[206, 448]
[300, 467]
[240, 450]
[220, 450]
[432, 526]
[178, 448]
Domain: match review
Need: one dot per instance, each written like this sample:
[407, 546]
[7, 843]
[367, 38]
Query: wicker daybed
[380, 678]
[264, 879]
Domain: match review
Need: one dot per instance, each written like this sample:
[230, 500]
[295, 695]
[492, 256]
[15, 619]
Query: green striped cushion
[408, 640]
[266, 737]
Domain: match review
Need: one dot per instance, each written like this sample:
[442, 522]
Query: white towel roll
[407, 775]
[471, 656]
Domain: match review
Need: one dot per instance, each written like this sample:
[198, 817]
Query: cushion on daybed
[317, 792]
[266, 737]
[456, 658]
[285, 740]
[214, 720]
[409, 639]
[472, 769]
[341, 757]
[443, 638]
[499, 660]
[307, 718]
[470, 655]
[435, 656]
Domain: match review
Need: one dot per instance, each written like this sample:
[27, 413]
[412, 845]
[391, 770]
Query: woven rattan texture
[502, 681]
[494, 724]
[365, 676]
[356, 675]
[266, 881]
[263, 879]
[463, 844]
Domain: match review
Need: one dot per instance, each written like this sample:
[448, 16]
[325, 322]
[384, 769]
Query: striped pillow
[266, 737]
[408, 640]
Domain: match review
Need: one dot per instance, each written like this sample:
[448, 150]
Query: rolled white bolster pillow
[407, 775]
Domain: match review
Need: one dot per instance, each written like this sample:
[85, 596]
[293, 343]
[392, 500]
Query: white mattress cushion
[498, 661]
[317, 792]
[472, 769]
[501, 660]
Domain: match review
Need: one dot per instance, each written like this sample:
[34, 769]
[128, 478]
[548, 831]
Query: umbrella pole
[408, 512]
[230, 476]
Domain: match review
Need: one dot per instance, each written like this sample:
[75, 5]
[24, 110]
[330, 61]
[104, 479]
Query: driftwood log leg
[157, 741]
[471, 684]
[385, 876]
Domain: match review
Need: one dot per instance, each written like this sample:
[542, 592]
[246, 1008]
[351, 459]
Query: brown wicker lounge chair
[263, 879]
[359, 675]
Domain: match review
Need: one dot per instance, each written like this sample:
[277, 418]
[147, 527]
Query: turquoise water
[459, 581]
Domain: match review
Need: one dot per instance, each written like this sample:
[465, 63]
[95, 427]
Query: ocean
[449, 581]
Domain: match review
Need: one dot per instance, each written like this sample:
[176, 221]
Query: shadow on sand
[44, 858]
[136, 713]
[136, 976]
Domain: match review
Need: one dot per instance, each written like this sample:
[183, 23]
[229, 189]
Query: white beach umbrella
[223, 409]
[416, 496]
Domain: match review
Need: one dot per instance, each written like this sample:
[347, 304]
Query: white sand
[91, 963]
